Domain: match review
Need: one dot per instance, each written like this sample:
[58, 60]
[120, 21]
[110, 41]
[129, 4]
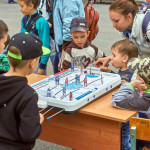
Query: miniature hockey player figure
[72, 67]
[57, 80]
[66, 81]
[64, 91]
[85, 81]
[49, 92]
[90, 71]
[71, 96]
[76, 78]
[101, 79]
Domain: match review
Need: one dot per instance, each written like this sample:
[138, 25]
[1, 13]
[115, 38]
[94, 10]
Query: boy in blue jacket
[40, 27]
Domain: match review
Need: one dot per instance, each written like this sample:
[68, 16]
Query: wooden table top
[101, 107]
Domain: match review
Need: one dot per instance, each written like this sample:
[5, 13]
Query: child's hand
[123, 82]
[50, 25]
[41, 118]
[59, 65]
[40, 71]
[102, 62]
[139, 84]
[105, 69]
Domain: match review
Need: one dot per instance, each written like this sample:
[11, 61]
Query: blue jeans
[55, 61]
[125, 135]
[9, 1]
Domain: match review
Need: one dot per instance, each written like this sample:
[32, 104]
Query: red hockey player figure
[71, 96]
[85, 81]
[66, 81]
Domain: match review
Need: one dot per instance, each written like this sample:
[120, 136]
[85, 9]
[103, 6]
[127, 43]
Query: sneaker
[13, 2]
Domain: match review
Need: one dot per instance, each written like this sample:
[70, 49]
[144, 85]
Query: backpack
[32, 25]
[145, 9]
[92, 17]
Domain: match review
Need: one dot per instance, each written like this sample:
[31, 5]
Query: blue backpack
[145, 9]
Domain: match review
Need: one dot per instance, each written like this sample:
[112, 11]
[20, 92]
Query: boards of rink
[82, 96]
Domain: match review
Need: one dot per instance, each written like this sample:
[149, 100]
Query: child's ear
[32, 63]
[88, 33]
[125, 58]
[31, 6]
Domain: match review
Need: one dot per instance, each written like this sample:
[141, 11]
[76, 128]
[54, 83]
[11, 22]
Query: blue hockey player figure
[72, 67]
[57, 80]
[64, 91]
[76, 79]
[49, 94]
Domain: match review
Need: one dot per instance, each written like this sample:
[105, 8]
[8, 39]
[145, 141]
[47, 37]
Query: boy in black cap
[20, 123]
[80, 52]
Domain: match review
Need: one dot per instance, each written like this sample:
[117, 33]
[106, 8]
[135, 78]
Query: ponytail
[125, 7]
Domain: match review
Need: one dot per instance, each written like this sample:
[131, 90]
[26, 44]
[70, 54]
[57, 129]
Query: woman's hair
[16, 63]
[125, 7]
[3, 29]
[126, 47]
[7, 42]
[34, 2]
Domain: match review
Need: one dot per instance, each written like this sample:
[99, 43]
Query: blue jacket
[42, 30]
[63, 12]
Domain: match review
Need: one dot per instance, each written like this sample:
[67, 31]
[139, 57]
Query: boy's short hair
[3, 29]
[126, 47]
[16, 63]
[141, 67]
[79, 24]
[34, 2]
[25, 46]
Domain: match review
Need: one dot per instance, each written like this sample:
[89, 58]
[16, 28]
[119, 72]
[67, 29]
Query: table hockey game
[74, 88]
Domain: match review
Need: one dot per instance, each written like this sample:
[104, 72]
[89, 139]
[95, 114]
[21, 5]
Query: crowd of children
[29, 51]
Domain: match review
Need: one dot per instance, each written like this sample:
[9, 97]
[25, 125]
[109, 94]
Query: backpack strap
[126, 33]
[145, 23]
[49, 5]
[33, 23]
[42, 4]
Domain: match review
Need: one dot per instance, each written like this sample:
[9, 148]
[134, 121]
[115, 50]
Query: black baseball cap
[78, 24]
[29, 44]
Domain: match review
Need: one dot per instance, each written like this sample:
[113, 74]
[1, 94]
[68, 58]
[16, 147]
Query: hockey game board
[72, 89]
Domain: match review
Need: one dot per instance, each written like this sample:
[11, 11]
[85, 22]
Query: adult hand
[102, 62]
[41, 71]
[41, 118]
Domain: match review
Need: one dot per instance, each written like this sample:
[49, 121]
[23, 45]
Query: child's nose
[114, 24]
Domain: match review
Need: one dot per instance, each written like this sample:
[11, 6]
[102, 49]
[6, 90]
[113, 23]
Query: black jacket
[19, 115]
